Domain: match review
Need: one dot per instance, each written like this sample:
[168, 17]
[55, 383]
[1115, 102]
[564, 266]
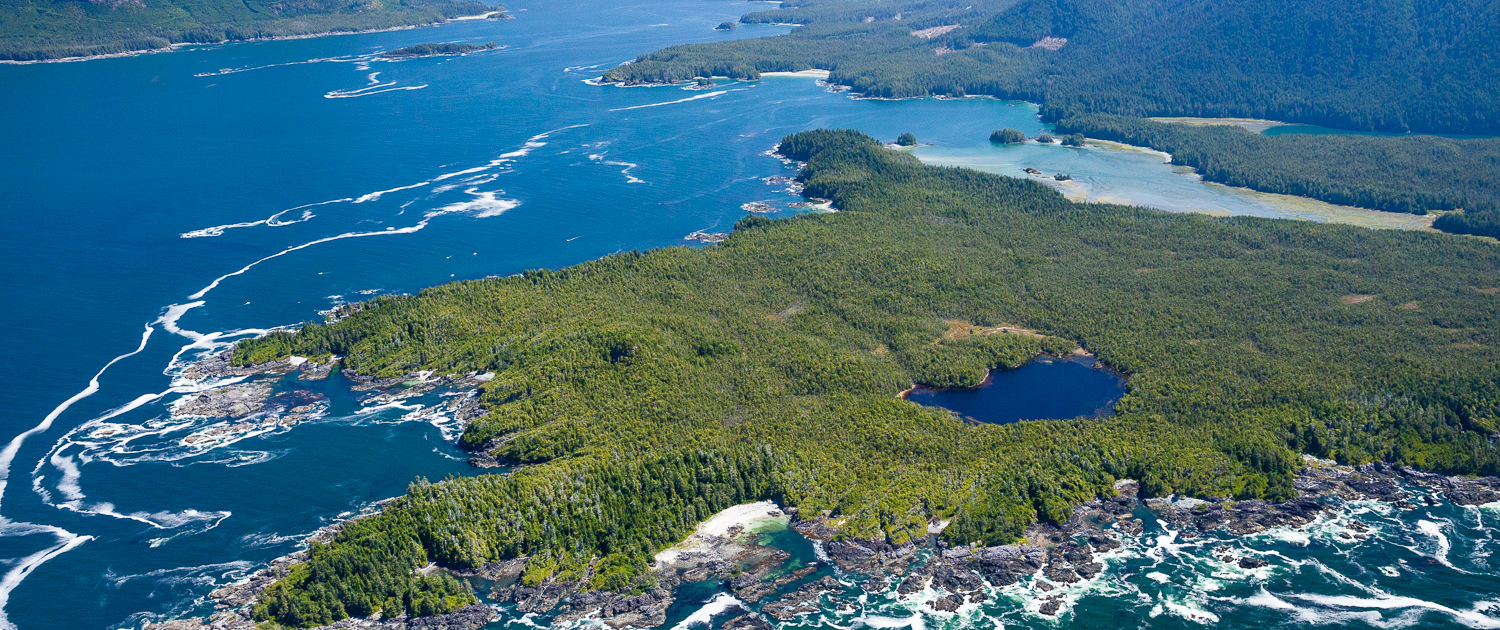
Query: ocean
[161, 206]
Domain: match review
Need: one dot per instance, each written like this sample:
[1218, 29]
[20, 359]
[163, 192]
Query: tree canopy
[1392, 65]
[643, 392]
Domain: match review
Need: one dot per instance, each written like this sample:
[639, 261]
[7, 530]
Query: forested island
[436, 50]
[32, 30]
[640, 393]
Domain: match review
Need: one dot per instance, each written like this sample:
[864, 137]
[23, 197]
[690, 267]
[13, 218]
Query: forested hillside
[1394, 65]
[50, 29]
[645, 392]
[1393, 173]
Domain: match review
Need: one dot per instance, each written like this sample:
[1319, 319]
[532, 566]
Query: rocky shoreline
[258, 403]
[1051, 557]
[232, 602]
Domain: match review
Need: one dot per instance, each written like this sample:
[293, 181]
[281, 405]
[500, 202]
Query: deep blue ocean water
[157, 207]
[1043, 388]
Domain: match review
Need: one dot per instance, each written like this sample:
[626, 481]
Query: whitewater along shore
[232, 602]
[266, 397]
[766, 585]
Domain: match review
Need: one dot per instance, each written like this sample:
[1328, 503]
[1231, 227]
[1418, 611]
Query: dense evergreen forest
[644, 392]
[1413, 174]
[51, 29]
[1393, 65]
[436, 50]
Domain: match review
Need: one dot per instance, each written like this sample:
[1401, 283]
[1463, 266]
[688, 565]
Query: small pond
[1046, 387]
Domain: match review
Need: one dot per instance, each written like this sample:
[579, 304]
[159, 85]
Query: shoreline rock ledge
[232, 602]
[726, 549]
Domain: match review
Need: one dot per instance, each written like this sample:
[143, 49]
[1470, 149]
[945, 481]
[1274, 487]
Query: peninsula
[638, 395]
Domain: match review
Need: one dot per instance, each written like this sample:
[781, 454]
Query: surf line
[389, 87]
[486, 204]
[65, 540]
[271, 221]
[680, 100]
[224, 71]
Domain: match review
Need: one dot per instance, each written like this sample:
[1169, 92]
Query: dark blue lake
[1044, 388]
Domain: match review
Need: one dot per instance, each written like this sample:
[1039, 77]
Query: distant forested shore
[1414, 174]
[39, 30]
[1388, 65]
[1102, 67]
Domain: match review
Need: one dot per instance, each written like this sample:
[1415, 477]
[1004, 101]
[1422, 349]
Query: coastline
[1044, 567]
[175, 47]
[1288, 207]
[1035, 554]
[812, 73]
[1299, 208]
[233, 602]
[728, 551]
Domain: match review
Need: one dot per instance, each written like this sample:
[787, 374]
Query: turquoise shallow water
[309, 175]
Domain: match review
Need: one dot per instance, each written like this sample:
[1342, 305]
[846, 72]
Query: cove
[1044, 388]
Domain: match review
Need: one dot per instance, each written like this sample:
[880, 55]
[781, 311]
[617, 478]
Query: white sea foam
[1435, 532]
[69, 487]
[99, 430]
[528, 619]
[680, 100]
[271, 539]
[915, 622]
[379, 193]
[327, 239]
[484, 205]
[223, 71]
[222, 568]
[1190, 611]
[1265, 599]
[629, 179]
[471, 171]
[23, 567]
[1471, 618]
[271, 221]
[380, 88]
[8, 455]
[581, 68]
[705, 614]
